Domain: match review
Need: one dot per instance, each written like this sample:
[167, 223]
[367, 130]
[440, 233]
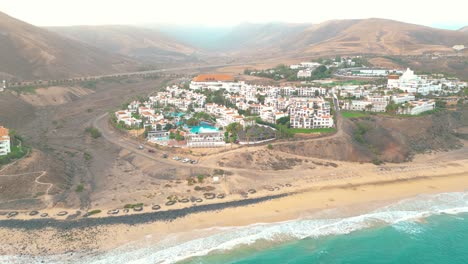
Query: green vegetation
[269, 146]
[177, 136]
[284, 131]
[200, 178]
[377, 161]
[29, 89]
[94, 132]
[216, 97]
[79, 188]
[360, 132]
[17, 149]
[89, 84]
[284, 72]
[232, 132]
[347, 82]
[131, 206]
[87, 156]
[353, 114]
[93, 212]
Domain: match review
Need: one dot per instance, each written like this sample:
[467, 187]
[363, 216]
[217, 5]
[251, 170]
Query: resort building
[5, 147]
[159, 137]
[402, 98]
[205, 137]
[310, 113]
[304, 74]
[417, 107]
[214, 82]
[412, 83]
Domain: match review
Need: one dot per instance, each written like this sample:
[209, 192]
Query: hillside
[148, 45]
[370, 36]
[387, 139]
[381, 36]
[29, 52]
[464, 29]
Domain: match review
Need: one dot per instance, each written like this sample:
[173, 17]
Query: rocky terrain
[378, 138]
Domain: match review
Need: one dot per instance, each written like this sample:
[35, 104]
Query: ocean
[424, 229]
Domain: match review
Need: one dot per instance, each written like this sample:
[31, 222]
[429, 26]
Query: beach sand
[371, 188]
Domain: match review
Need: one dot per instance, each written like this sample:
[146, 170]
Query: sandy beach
[373, 187]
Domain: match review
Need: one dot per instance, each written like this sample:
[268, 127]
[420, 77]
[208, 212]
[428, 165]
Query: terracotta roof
[393, 77]
[4, 132]
[213, 77]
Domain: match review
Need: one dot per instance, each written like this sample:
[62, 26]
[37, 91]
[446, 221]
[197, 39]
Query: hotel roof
[213, 78]
[4, 133]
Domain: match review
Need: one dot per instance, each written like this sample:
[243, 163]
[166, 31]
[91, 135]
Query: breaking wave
[403, 216]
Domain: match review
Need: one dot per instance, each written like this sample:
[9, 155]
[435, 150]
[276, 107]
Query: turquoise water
[425, 229]
[203, 129]
[440, 239]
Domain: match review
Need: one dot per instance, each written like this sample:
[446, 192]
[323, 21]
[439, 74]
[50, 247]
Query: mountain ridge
[30, 52]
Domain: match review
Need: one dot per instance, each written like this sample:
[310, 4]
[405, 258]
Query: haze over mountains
[144, 44]
[365, 36]
[29, 52]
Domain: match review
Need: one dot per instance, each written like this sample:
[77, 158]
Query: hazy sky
[446, 14]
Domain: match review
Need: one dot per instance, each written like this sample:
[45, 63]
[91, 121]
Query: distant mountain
[29, 52]
[464, 29]
[374, 36]
[381, 36]
[144, 44]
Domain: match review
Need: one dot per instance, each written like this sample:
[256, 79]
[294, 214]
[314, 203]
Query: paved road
[108, 133]
[127, 74]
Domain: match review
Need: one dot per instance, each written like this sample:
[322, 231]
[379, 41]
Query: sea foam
[401, 215]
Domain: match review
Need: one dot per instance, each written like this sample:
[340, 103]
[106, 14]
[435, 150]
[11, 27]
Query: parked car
[176, 158]
[141, 147]
[165, 156]
[186, 160]
[151, 151]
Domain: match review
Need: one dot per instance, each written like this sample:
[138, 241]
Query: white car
[186, 160]
[140, 147]
[176, 158]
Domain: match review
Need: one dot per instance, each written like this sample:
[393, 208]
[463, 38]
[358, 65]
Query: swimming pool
[203, 129]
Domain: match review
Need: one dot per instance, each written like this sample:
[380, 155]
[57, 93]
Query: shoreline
[104, 234]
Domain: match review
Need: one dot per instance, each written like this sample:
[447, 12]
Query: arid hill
[386, 139]
[29, 52]
[363, 36]
[464, 29]
[148, 45]
[381, 36]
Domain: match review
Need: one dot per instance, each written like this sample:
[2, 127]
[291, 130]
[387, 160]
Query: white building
[215, 82]
[310, 113]
[371, 72]
[417, 107]
[5, 147]
[158, 136]
[304, 74]
[310, 64]
[412, 83]
[402, 98]
[305, 118]
[205, 139]
[3, 86]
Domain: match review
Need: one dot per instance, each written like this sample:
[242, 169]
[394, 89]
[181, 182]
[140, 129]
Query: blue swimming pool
[203, 129]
